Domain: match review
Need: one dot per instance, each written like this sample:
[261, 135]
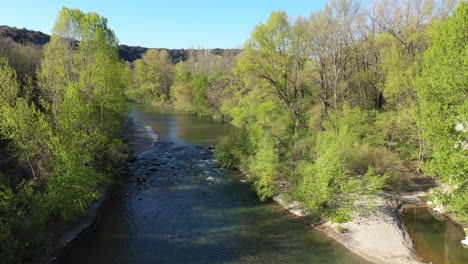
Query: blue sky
[162, 24]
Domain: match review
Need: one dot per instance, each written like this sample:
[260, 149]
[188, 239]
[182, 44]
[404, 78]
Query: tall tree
[332, 33]
[154, 75]
[275, 54]
[83, 93]
[444, 103]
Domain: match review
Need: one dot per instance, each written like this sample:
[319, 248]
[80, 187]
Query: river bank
[378, 234]
[179, 206]
[382, 235]
[379, 237]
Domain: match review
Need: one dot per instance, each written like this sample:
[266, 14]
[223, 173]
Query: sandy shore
[378, 236]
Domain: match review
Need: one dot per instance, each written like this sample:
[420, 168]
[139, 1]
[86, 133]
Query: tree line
[335, 107]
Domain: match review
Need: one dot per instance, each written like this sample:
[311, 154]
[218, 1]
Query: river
[186, 209]
[436, 239]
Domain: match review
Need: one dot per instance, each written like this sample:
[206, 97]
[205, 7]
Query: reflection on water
[180, 127]
[436, 241]
[189, 210]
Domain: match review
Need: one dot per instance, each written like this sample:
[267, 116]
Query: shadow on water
[436, 240]
[188, 210]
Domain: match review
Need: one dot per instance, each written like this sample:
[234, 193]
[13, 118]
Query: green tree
[154, 75]
[444, 106]
[272, 56]
[83, 92]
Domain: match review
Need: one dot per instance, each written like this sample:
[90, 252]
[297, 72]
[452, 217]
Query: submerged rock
[140, 179]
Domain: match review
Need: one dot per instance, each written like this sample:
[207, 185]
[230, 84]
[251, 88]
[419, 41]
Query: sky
[162, 23]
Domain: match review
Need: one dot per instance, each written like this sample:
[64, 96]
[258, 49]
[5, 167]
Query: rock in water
[140, 179]
[465, 242]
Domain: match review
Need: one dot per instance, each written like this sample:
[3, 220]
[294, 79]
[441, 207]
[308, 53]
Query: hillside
[127, 53]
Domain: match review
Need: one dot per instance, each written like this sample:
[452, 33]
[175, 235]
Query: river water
[188, 210]
[436, 239]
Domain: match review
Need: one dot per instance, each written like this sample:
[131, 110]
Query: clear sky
[162, 23]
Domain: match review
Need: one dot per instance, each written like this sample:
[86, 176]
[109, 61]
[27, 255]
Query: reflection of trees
[435, 239]
[180, 126]
[197, 130]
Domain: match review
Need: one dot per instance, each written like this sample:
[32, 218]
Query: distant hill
[24, 36]
[127, 53]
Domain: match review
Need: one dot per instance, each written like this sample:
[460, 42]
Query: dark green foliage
[233, 149]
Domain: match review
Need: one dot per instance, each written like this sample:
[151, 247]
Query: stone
[140, 179]
[465, 242]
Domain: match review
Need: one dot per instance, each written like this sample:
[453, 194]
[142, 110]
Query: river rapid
[179, 206]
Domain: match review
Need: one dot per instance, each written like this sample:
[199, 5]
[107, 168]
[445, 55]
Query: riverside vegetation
[335, 107]
[63, 125]
[330, 109]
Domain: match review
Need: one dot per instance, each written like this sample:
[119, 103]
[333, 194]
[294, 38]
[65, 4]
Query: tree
[21, 121]
[274, 55]
[444, 106]
[332, 33]
[201, 61]
[82, 87]
[154, 75]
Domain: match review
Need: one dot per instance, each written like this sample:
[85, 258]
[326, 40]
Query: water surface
[180, 127]
[435, 240]
[189, 210]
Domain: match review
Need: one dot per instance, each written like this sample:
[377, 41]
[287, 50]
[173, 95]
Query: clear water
[435, 240]
[191, 211]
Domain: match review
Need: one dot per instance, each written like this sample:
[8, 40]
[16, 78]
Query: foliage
[65, 129]
[153, 77]
[444, 106]
[329, 185]
[330, 109]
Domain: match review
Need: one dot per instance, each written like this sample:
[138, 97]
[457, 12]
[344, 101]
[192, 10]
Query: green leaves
[9, 87]
[153, 76]
[444, 105]
[83, 84]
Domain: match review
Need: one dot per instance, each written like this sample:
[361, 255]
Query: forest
[329, 109]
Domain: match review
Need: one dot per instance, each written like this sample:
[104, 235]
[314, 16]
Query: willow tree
[21, 121]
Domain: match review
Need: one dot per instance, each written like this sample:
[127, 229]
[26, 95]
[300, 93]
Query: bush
[233, 149]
